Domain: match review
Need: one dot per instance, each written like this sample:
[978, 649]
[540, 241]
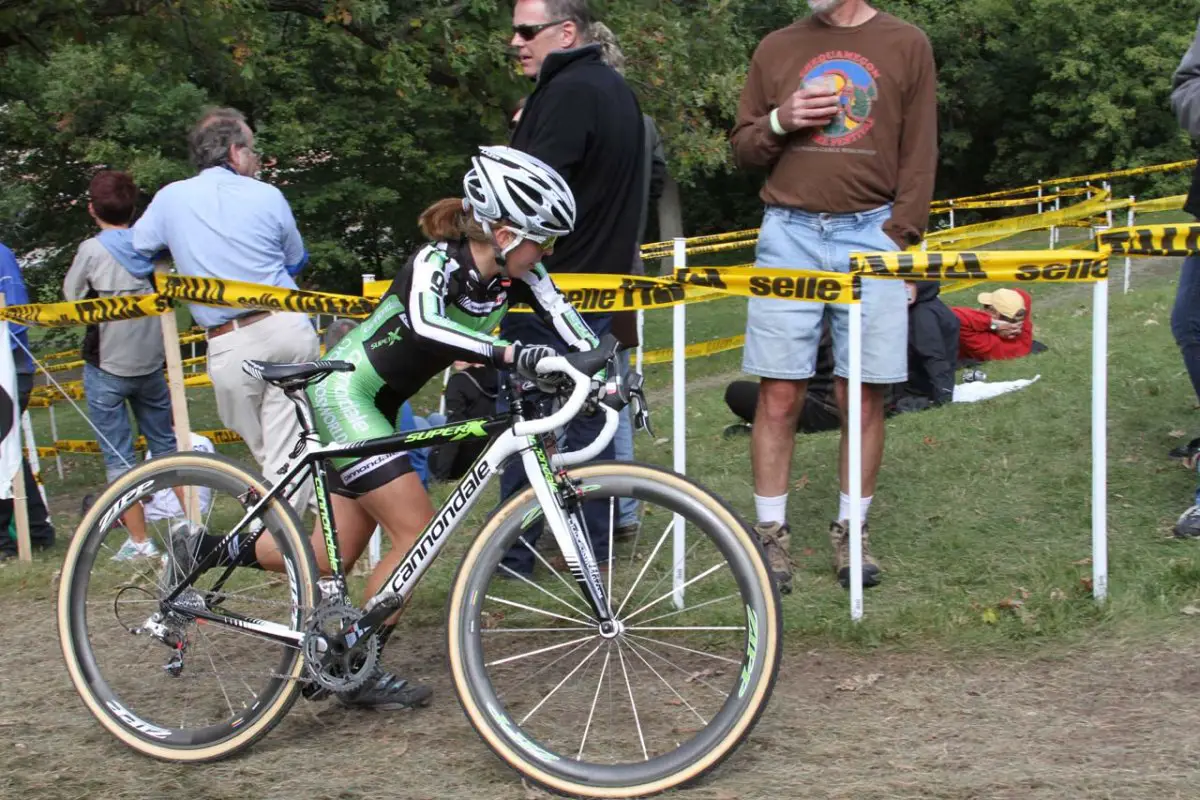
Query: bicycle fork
[562, 509]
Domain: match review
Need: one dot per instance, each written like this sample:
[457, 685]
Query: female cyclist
[483, 254]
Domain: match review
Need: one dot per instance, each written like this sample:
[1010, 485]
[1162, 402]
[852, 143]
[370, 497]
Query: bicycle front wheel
[654, 704]
[169, 681]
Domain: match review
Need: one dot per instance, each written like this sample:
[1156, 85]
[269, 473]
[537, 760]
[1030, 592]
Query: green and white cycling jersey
[438, 310]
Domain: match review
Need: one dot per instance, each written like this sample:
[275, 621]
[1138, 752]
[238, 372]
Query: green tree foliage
[368, 110]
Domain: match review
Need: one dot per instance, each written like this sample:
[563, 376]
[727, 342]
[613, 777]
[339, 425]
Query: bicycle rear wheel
[656, 704]
[165, 681]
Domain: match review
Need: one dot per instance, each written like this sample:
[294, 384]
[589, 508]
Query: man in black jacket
[932, 349]
[583, 120]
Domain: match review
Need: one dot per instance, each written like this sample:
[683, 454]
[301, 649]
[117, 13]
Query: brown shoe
[839, 540]
[775, 539]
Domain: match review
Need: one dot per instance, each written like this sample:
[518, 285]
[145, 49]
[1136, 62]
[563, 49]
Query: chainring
[342, 672]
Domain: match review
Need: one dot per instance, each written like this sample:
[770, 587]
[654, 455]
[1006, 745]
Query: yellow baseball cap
[1008, 303]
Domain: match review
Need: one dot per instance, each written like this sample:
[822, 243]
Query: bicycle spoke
[691, 676]
[547, 592]
[559, 685]
[681, 647]
[572, 589]
[515, 604]
[693, 608]
[209, 644]
[539, 651]
[632, 704]
[220, 683]
[567, 654]
[687, 628]
[670, 573]
[646, 566]
[538, 630]
[655, 602]
[595, 697]
[667, 683]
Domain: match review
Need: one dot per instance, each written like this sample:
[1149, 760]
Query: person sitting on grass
[1001, 329]
[820, 411]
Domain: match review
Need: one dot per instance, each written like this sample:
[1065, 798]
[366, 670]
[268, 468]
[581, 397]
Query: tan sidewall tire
[532, 769]
[306, 577]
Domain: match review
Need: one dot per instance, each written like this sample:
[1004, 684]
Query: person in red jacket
[1002, 329]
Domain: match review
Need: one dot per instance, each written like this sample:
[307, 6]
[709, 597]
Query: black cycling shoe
[386, 692]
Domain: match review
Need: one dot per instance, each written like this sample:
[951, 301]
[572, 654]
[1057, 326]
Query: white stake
[54, 432]
[35, 463]
[1129, 222]
[442, 399]
[1100, 441]
[641, 334]
[854, 468]
[679, 443]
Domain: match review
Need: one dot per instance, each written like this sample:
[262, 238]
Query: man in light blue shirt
[223, 223]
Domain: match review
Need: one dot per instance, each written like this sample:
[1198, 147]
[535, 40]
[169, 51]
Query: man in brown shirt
[841, 108]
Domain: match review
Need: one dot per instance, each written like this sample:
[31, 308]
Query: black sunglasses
[530, 32]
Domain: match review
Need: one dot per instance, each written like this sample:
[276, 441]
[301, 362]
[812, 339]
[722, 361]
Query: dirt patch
[1109, 721]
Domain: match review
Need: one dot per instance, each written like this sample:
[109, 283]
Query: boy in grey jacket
[123, 360]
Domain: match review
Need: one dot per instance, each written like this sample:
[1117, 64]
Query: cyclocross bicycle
[607, 679]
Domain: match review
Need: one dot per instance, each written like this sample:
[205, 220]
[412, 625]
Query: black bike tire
[473, 570]
[72, 625]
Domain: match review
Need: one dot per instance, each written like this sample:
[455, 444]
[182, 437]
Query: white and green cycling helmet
[504, 183]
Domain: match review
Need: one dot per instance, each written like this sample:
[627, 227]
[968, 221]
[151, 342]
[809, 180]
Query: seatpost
[308, 428]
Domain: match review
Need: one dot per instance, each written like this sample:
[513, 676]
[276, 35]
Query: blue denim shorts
[782, 335]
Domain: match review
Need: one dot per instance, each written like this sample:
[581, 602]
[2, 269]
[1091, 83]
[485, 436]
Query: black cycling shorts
[367, 474]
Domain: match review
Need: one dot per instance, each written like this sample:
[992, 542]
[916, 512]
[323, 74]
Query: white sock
[771, 509]
[844, 506]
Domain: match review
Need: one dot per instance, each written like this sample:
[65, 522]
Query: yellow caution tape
[86, 312]
[63, 367]
[86, 447]
[592, 293]
[1174, 166]
[985, 265]
[222, 436]
[669, 245]
[238, 294]
[666, 355]
[969, 236]
[1098, 176]
[711, 248]
[1152, 240]
[1172, 203]
[787, 284]
[64, 354]
[945, 206]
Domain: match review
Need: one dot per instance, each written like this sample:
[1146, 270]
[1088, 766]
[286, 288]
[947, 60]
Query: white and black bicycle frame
[514, 435]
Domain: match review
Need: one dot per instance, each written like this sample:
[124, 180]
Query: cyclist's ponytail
[446, 220]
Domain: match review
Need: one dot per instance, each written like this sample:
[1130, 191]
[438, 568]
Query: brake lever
[639, 407]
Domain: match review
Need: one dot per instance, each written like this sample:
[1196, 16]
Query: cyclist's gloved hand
[526, 361]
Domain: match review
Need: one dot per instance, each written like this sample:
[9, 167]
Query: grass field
[1001, 677]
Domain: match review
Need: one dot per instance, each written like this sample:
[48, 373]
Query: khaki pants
[259, 412]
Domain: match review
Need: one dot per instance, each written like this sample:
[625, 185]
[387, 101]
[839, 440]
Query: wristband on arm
[775, 126]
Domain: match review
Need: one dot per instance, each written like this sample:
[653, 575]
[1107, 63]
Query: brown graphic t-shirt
[882, 146]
